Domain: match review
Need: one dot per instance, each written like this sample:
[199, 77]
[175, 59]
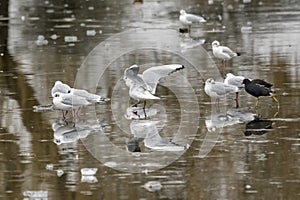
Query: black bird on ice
[258, 88]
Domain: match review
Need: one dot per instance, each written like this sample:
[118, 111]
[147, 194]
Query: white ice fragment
[90, 32]
[23, 18]
[248, 186]
[152, 186]
[54, 37]
[246, 29]
[89, 179]
[71, 39]
[36, 194]
[91, 8]
[60, 172]
[100, 31]
[50, 11]
[49, 166]
[41, 41]
[88, 171]
[110, 164]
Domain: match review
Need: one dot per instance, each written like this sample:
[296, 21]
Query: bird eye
[69, 91]
[56, 95]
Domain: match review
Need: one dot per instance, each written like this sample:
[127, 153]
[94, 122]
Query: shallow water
[214, 153]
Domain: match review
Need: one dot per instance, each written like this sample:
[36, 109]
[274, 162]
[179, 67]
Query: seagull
[231, 79]
[222, 52]
[189, 19]
[64, 88]
[258, 88]
[218, 89]
[67, 102]
[143, 86]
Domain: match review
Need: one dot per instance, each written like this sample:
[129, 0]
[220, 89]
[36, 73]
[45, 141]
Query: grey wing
[228, 51]
[237, 81]
[194, 18]
[74, 100]
[86, 94]
[152, 75]
[222, 89]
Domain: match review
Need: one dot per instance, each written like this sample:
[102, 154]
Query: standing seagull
[259, 88]
[217, 90]
[189, 19]
[67, 102]
[236, 81]
[222, 52]
[143, 86]
[64, 88]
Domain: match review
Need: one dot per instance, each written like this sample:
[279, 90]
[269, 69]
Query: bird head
[182, 12]
[215, 43]
[229, 75]
[210, 80]
[246, 81]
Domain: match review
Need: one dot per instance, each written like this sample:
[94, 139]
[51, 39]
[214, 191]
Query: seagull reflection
[258, 126]
[140, 113]
[216, 121]
[147, 132]
[231, 117]
[66, 133]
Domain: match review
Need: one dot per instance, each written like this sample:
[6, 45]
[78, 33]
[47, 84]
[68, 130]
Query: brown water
[42, 157]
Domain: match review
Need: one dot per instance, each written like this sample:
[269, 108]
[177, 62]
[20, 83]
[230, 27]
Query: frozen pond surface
[187, 147]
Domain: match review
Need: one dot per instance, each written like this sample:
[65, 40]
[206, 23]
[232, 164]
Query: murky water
[211, 153]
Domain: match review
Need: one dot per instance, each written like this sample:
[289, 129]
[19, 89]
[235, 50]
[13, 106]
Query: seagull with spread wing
[143, 86]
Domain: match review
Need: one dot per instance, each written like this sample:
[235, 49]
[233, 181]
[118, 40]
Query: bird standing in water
[236, 81]
[222, 52]
[187, 19]
[258, 88]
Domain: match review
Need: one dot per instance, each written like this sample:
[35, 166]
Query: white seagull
[143, 86]
[189, 19]
[67, 102]
[222, 52]
[217, 90]
[237, 81]
[64, 88]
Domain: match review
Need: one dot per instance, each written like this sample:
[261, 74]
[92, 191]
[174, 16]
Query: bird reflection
[231, 117]
[67, 133]
[258, 126]
[147, 132]
[140, 113]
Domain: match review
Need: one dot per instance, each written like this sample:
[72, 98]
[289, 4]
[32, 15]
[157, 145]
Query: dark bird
[258, 88]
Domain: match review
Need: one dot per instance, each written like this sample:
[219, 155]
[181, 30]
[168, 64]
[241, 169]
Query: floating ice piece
[36, 194]
[41, 41]
[246, 29]
[43, 108]
[71, 39]
[49, 166]
[152, 186]
[89, 179]
[91, 32]
[60, 172]
[88, 171]
[54, 37]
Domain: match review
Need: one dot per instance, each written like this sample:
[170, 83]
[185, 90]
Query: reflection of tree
[15, 84]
